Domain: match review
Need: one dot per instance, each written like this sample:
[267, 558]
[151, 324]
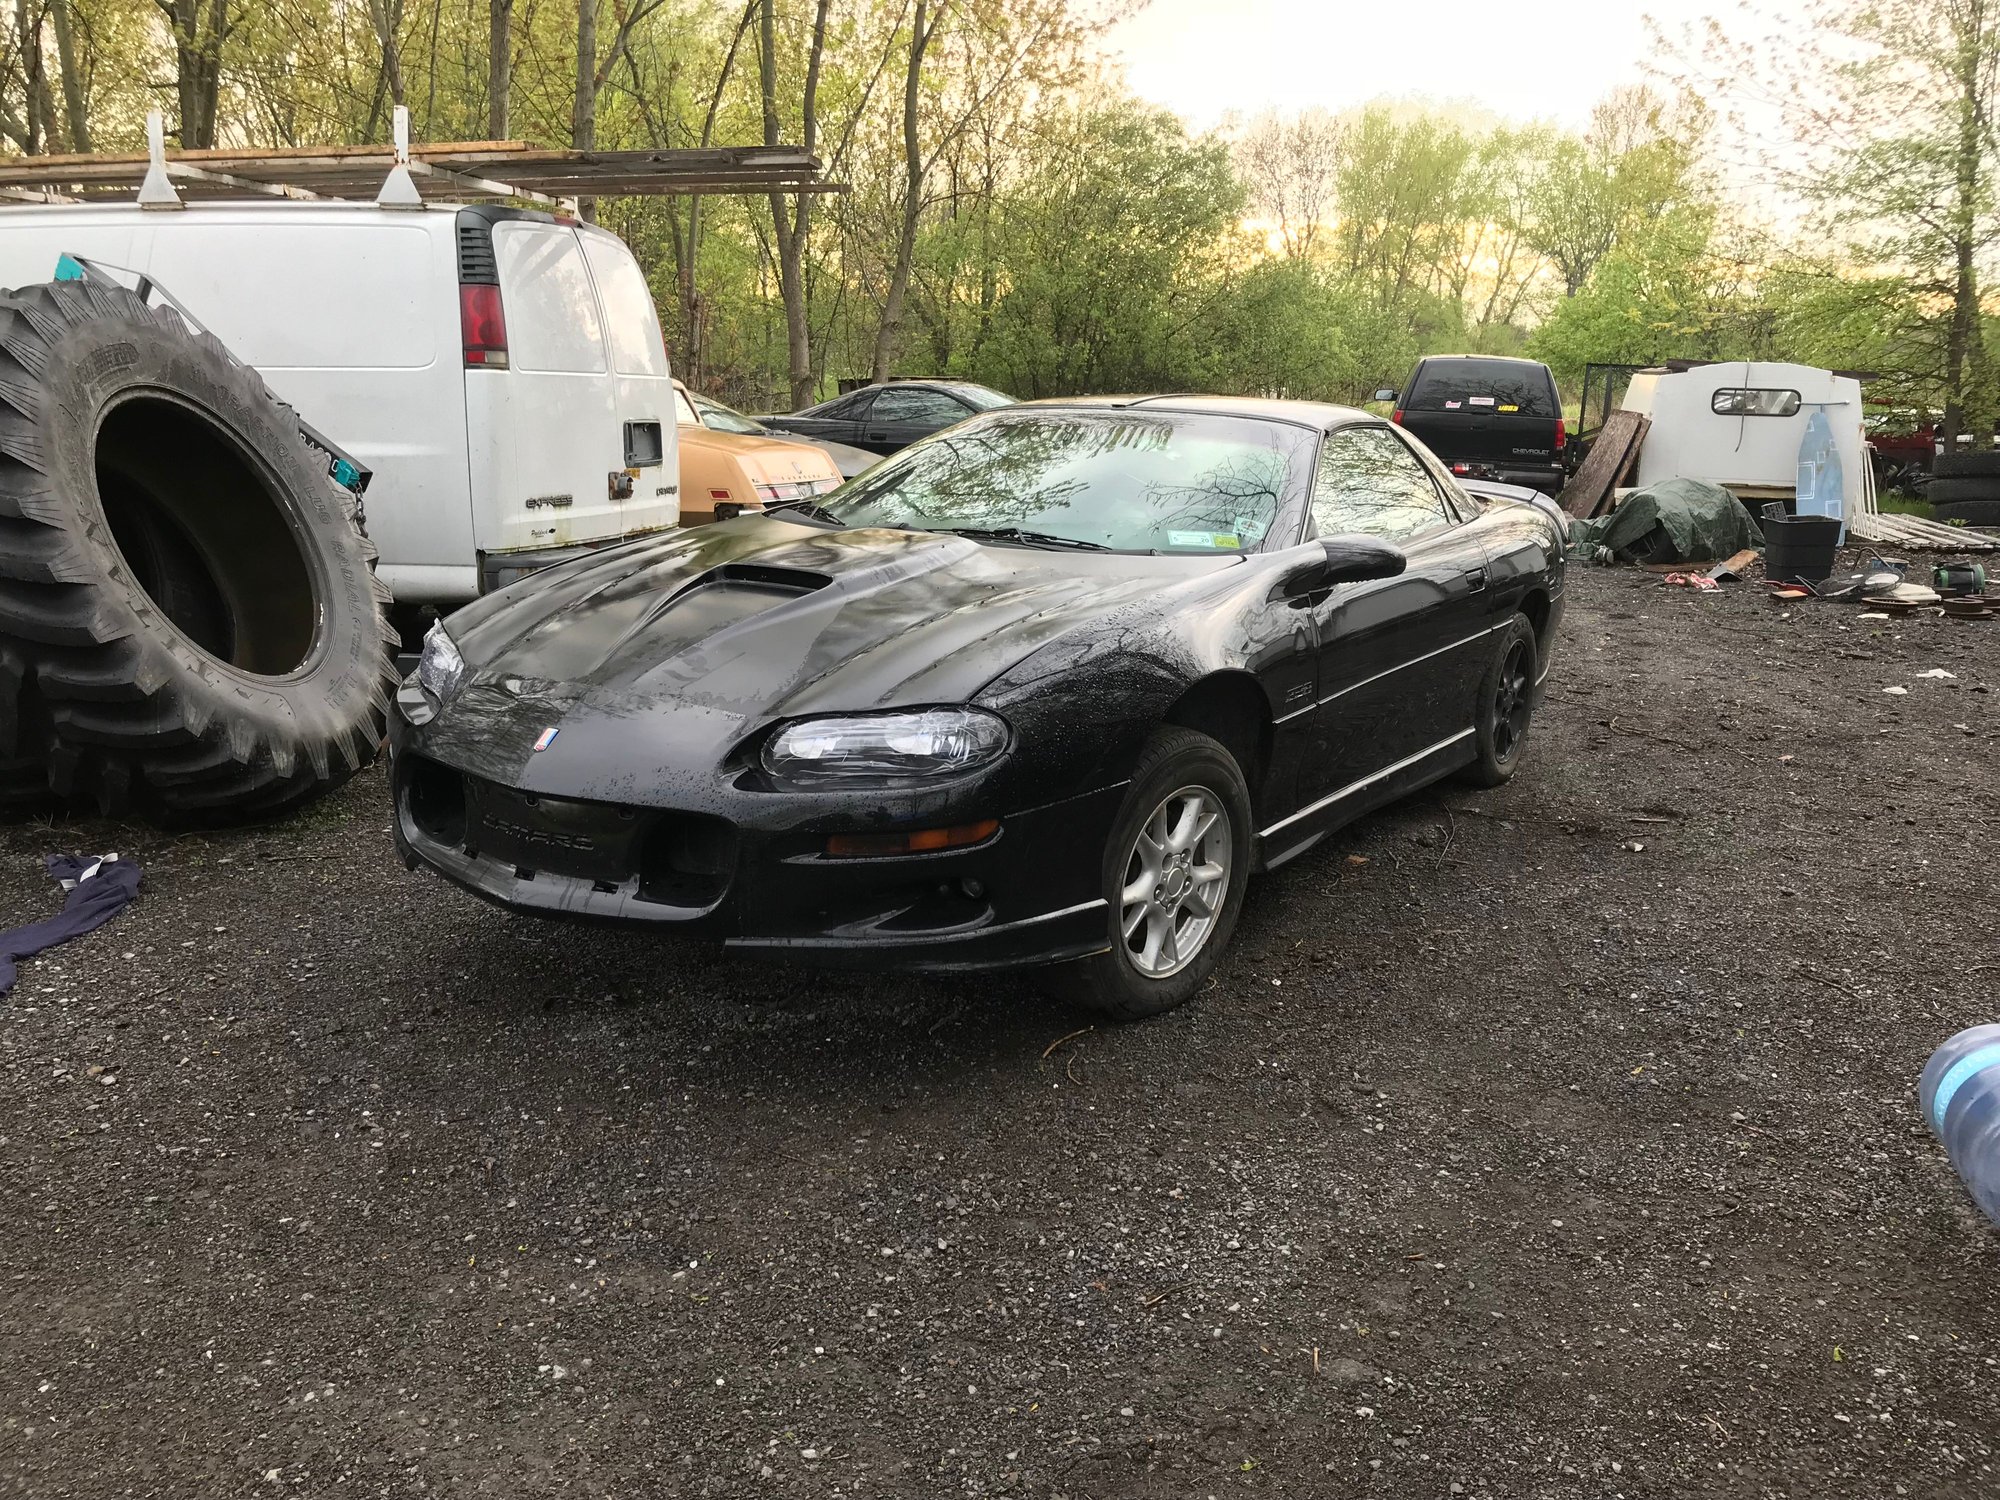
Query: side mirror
[1344, 559]
[1351, 559]
[1385, 394]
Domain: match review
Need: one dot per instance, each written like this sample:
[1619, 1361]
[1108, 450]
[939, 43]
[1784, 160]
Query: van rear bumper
[498, 569]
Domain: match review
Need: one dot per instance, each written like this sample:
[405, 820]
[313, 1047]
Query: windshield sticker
[1453, 405]
[1251, 527]
[1209, 539]
[1510, 408]
[1480, 400]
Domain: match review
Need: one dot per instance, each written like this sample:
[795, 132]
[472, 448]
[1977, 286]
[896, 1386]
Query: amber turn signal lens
[924, 841]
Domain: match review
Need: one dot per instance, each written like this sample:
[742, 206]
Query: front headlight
[440, 669]
[918, 745]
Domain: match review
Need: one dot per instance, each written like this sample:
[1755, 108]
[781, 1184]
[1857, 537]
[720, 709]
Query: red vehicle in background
[1901, 445]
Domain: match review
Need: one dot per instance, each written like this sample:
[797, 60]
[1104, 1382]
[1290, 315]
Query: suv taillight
[1562, 434]
[483, 326]
[1396, 416]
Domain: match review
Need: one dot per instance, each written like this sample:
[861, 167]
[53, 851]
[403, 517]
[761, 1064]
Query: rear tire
[1172, 901]
[189, 595]
[1506, 705]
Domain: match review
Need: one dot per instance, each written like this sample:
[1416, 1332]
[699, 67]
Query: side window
[1370, 483]
[850, 408]
[636, 346]
[552, 322]
[905, 404]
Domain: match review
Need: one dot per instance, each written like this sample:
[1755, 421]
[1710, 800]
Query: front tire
[1506, 705]
[1173, 875]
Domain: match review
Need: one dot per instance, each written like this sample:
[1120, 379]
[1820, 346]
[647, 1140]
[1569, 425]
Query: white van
[501, 372]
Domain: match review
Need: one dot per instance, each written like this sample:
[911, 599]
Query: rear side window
[1369, 483]
[1492, 386]
[552, 322]
[904, 404]
[636, 347]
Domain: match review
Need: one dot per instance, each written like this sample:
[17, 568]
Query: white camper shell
[1740, 425]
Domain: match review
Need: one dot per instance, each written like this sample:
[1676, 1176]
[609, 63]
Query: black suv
[1487, 417]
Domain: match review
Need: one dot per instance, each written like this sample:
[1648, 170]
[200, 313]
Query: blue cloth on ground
[99, 888]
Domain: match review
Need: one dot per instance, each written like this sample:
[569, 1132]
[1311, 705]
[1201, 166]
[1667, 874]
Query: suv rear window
[1483, 385]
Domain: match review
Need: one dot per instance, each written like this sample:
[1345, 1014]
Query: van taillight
[483, 326]
[1562, 434]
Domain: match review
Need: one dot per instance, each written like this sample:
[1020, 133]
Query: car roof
[1320, 414]
[1484, 359]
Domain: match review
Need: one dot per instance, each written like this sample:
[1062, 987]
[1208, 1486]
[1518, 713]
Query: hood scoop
[723, 596]
[773, 582]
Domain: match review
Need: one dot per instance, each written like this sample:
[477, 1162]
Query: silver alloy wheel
[1176, 881]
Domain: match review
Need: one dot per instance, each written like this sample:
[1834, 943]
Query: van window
[313, 296]
[552, 322]
[1483, 387]
[636, 347]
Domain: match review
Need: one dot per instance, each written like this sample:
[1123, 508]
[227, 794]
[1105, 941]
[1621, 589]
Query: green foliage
[1068, 237]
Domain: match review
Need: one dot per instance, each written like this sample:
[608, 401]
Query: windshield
[980, 397]
[1123, 479]
[721, 418]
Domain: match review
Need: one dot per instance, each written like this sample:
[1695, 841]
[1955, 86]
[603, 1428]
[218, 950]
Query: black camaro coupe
[1045, 688]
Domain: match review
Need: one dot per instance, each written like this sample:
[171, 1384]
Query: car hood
[764, 460]
[711, 632]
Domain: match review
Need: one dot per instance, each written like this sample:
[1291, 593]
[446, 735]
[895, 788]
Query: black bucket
[1800, 549]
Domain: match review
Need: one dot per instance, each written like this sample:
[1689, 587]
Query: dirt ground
[1556, 1141]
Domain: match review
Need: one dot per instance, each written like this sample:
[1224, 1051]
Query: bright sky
[1205, 58]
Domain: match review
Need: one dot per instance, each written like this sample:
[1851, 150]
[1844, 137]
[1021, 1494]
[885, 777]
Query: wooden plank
[1604, 468]
[486, 169]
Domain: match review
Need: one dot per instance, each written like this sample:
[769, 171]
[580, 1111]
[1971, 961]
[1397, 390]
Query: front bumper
[1548, 478]
[749, 870]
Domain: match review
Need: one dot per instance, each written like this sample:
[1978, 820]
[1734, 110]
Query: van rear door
[570, 431]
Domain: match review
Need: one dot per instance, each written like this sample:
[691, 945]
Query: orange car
[724, 474]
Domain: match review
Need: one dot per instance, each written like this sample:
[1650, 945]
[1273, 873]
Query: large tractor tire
[190, 623]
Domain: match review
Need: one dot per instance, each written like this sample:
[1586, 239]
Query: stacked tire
[190, 624]
[1965, 488]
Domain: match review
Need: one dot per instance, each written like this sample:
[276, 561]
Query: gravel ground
[1554, 1141]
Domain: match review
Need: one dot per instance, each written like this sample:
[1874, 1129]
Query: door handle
[1475, 579]
[877, 437]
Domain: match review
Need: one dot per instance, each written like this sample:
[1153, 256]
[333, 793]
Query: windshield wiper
[805, 507]
[1017, 534]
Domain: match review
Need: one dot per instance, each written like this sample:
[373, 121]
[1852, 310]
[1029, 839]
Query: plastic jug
[1960, 1091]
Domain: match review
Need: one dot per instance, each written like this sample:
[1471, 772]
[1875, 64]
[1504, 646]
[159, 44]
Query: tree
[499, 66]
[1634, 163]
[199, 29]
[1915, 187]
[1291, 170]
